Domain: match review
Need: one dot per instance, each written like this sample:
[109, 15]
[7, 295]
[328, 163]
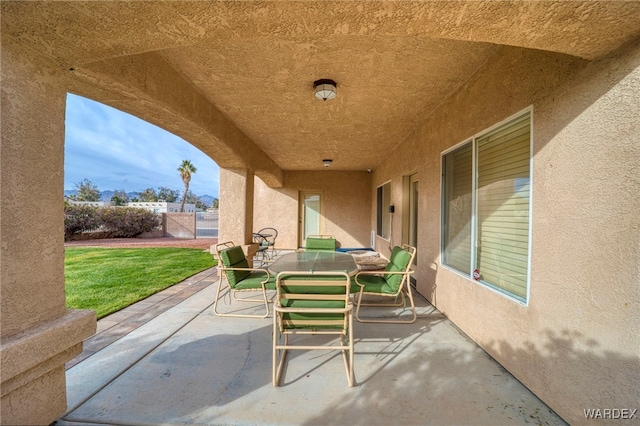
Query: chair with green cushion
[233, 268]
[312, 303]
[393, 282]
[320, 243]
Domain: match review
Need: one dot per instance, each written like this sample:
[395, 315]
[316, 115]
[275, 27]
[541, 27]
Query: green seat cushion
[254, 281]
[398, 261]
[312, 319]
[234, 258]
[388, 283]
[321, 244]
[313, 290]
[373, 284]
[319, 289]
[323, 304]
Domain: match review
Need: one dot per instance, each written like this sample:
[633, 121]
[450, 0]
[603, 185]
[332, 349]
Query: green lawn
[109, 279]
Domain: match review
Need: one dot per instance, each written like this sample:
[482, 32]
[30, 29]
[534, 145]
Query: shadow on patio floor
[187, 366]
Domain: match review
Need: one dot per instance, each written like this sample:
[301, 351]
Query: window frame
[383, 216]
[473, 140]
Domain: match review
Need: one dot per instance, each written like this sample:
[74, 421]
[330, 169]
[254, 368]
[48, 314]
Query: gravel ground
[203, 243]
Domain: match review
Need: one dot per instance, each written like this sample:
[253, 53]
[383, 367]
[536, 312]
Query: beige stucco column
[38, 333]
[236, 207]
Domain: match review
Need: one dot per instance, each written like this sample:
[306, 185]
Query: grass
[109, 279]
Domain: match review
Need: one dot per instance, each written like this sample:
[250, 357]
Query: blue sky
[115, 150]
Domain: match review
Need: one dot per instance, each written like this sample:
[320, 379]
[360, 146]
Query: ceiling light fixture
[325, 89]
[327, 162]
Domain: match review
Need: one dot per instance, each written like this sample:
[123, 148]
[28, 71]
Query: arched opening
[118, 151]
[116, 162]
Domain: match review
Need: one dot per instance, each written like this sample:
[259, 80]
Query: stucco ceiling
[255, 62]
[384, 85]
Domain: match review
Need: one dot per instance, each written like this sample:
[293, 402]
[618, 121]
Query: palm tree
[186, 169]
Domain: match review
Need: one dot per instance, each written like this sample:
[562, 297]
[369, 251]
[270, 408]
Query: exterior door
[310, 217]
[413, 211]
[410, 216]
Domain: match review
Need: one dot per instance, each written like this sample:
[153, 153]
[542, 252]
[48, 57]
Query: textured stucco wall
[38, 333]
[575, 339]
[346, 201]
[277, 208]
[236, 206]
[30, 193]
[576, 344]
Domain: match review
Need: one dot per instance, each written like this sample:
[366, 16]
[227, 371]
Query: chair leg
[413, 318]
[277, 370]
[217, 297]
[261, 256]
[240, 299]
[274, 378]
[350, 374]
[413, 306]
[233, 296]
[390, 304]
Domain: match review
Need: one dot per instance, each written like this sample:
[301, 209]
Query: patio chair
[393, 282]
[234, 268]
[312, 303]
[267, 240]
[320, 243]
[261, 253]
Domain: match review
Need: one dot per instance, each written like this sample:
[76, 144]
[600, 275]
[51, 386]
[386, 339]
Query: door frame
[302, 194]
[410, 211]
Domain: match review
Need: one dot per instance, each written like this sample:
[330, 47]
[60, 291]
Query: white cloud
[115, 150]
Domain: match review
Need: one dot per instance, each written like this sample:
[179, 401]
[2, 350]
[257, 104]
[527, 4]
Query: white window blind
[503, 206]
[457, 239]
[488, 230]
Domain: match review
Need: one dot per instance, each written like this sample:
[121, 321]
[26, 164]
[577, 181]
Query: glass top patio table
[314, 261]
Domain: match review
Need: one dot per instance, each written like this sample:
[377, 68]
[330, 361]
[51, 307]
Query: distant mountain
[207, 199]
[106, 196]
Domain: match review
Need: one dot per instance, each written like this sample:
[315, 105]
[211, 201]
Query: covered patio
[499, 138]
[188, 366]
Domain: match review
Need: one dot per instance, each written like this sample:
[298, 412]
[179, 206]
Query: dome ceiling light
[325, 89]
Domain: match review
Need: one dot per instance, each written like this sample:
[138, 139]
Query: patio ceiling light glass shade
[325, 89]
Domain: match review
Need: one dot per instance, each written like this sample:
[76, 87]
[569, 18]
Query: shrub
[80, 218]
[128, 222]
[124, 222]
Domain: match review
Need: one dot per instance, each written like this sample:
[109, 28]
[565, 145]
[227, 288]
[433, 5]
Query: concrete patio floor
[172, 361]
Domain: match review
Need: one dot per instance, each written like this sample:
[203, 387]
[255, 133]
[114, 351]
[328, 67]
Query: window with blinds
[458, 166]
[383, 201]
[486, 198]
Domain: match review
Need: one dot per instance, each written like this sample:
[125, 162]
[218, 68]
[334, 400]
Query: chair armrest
[348, 308]
[409, 272]
[222, 268]
[379, 272]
